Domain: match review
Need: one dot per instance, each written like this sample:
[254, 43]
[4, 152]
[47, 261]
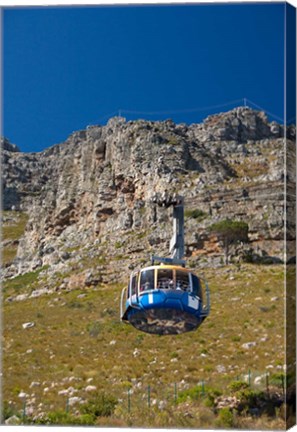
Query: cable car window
[146, 280]
[134, 284]
[196, 286]
[182, 281]
[165, 279]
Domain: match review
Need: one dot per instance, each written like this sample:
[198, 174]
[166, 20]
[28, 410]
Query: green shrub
[101, 405]
[63, 418]
[195, 214]
[197, 392]
[212, 394]
[209, 402]
[232, 229]
[249, 398]
[193, 393]
[278, 379]
[248, 257]
[58, 417]
[7, 411]
[236, 386]
[84, 419]
[226, 418]
[230, 232]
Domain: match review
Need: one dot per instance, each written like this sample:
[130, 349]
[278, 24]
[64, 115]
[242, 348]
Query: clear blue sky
[66, 67]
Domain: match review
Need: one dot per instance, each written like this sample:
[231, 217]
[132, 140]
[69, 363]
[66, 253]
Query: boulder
[13, 421]
[28, 325]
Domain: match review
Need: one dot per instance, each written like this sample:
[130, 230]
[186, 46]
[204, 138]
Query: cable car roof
[163, 266]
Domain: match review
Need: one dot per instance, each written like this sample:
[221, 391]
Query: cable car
[166, 298]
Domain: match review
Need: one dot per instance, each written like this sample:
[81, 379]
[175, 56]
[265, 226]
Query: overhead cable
[243, 101]
[263, 109]
[188, 110]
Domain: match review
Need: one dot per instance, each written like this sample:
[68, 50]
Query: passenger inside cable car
[147, 280]
[182, 281]
[166, 279]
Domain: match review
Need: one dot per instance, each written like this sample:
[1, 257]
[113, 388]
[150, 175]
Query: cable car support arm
[177, 244]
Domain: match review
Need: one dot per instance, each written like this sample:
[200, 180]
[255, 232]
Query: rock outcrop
[91, 196]
[6, 145]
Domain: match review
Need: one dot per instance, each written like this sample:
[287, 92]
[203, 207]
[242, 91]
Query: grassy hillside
[77, 340]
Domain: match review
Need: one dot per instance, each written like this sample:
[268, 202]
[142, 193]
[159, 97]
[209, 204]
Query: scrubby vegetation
[230, 232]
[197, 214]
[64, 383]
[13, 227]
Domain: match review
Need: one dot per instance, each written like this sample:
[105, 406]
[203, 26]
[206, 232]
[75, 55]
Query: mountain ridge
[96, 187]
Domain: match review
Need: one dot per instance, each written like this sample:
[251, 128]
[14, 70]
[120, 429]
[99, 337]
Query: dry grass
[13, 228]
[251, 168]
[78, 340]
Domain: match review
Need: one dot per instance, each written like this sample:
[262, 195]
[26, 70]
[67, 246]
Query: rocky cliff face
[89, 199]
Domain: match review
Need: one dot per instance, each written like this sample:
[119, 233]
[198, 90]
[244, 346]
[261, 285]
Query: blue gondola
[166, 298]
